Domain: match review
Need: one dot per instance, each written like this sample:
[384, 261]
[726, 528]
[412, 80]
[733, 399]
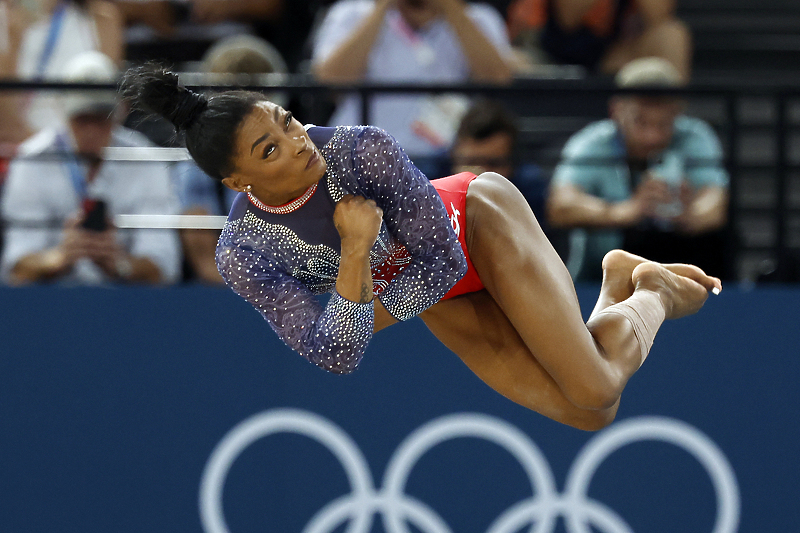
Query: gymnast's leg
[475, 328]
[590, 363]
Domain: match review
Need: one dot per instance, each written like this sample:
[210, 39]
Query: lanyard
[56, 23]
[423, 52]
[76, 173]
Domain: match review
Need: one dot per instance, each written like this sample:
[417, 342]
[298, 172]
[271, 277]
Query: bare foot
[681, 295]
[618, 267]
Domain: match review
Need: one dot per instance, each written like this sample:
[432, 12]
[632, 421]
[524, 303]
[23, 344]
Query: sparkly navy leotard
[278, 259]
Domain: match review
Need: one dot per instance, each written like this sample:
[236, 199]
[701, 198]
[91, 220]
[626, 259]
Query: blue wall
[112, 402]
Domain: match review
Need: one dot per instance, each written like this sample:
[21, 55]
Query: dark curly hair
[209, 124]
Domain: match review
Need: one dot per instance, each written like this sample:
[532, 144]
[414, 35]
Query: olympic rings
[398, 509]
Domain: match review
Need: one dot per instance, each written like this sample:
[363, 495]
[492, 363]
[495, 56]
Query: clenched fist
[358, 222]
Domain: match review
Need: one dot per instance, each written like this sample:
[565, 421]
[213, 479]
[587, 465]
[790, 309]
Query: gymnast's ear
[235, 182]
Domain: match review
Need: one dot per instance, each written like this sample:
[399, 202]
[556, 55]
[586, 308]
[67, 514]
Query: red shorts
[453, 190]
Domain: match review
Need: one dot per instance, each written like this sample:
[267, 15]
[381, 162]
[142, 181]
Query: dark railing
[524, 92]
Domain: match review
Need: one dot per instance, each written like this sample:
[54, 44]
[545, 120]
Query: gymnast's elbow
[343, 370]
[338, 365]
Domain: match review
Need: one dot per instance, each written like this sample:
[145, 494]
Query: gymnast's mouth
[312, 160]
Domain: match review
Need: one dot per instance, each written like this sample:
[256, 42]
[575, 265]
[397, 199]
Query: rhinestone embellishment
[294, 205]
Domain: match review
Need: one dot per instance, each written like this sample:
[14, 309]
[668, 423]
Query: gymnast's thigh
[475, 328]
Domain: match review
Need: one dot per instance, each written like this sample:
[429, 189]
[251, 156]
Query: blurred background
[668, 127]
[736, 61]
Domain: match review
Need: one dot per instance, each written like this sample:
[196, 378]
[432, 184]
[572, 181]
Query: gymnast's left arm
[415, 215]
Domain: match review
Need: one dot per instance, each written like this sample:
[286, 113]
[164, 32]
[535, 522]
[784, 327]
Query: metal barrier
[753, 255]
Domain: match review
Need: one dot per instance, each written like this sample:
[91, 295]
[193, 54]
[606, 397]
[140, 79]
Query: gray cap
[246, 54]
[654, 72]
[91, 67]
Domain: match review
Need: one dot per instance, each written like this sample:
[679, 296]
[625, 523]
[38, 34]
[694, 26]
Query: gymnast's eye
[288, 121]
[268, 150]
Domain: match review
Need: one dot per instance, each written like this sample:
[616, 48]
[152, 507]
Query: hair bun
[188, 107]
[157, 90]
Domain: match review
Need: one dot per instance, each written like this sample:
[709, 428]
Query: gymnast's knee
[596, 394]
[490, 183]
[595, 420]
[491, 191]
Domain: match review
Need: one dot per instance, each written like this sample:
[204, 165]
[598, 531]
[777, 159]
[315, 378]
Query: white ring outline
[276, 421]
[363, 502]
[668, 430]
[445, 428]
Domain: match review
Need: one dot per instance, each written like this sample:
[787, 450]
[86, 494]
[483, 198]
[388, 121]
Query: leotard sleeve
[333, 336]
[415, 215]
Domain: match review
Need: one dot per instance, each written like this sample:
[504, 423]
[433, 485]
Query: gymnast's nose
[301, 144]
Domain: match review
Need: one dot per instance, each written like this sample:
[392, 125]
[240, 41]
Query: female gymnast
[343, 210]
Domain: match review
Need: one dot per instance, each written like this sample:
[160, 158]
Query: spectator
[285, 23]
[182, 30]
[59, 170]
[13, 127]
[601, 35]
[244, 54]
[649, 179]
[66, 28]
[417, 41]
[198, 193]
[486, 141]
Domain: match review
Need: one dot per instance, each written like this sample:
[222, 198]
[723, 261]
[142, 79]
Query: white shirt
[400, 55]
[76, 33]
[41, 191]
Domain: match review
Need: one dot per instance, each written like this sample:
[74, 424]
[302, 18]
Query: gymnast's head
[237, 137]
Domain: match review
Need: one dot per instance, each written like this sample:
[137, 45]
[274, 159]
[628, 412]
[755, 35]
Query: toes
[620, 260]
[690, 294]
[699, 290]
[709, 283]
[684, 288]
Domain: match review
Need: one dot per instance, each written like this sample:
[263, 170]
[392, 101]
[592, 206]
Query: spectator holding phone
[61, 195]
[414, 42]
[650, 180]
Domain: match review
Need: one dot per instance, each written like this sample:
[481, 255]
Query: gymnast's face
[274, 156]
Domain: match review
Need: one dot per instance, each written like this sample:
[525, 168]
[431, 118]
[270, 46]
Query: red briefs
[453, 190]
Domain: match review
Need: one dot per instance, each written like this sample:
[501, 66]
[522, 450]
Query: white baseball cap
[92, 67]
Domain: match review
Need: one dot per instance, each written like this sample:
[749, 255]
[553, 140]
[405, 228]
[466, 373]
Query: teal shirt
[594, 160]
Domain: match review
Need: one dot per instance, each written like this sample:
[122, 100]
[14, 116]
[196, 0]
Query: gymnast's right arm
[358, 222]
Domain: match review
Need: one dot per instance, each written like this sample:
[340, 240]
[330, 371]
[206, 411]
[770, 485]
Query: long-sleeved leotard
[280, 258]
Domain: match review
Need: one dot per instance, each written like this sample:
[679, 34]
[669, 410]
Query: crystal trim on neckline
[294, 205]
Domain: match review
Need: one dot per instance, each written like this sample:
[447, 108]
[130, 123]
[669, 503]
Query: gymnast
[344, 211]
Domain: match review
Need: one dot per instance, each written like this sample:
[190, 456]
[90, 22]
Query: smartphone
[94, 215]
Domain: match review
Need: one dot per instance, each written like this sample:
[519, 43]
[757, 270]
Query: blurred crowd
[648, 178]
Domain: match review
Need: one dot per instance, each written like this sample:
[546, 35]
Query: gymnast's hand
[358, 222]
